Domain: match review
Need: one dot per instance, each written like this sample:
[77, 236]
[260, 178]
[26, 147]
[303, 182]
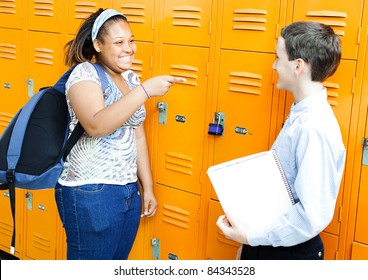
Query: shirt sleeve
[316, 185]
[82, 72]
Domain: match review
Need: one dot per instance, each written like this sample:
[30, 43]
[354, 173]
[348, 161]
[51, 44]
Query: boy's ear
[96, 45]
[299, 65]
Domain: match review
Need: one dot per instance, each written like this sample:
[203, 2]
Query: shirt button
[319, 254]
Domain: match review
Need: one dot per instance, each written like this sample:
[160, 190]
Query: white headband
[101, 19]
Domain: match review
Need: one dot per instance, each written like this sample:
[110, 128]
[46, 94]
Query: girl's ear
[96, 45]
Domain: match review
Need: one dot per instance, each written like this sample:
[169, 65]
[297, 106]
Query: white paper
[252, 189]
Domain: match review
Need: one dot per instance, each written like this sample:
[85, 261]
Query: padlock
[217, 127]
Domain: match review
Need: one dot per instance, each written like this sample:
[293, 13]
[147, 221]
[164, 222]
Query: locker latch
[162, 112]
[217, 127]
[30, 84]
[365, 151]
[29, 198]
[155, 243]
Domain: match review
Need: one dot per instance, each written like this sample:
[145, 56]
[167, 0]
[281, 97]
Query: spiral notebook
[253, 189]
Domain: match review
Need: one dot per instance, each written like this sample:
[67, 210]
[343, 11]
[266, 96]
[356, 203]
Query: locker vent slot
[221, 238]
[250, 19]
[44, 56]
[44, 8]
[137, 67]
[8, 7]
[332, 92]
[245, 82]
[176, 216]
[332, 18]
[188, 16]
[84, 9]
[6, 229]
[5, 119]
[188, 72]
[41, 243]
[8, 51]
[134, 12]
[179, 163]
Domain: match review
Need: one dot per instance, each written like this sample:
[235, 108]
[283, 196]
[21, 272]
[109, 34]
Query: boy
[309, 147]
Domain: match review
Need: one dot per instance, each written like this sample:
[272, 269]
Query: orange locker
[218, 247]
[45, 56]
[142, 66]
[44, 16]
[331, 245]
[250, 25]
[140, 15]
[189, 18]
[41, 225]
[77, 11]
[6, 222]
[360, 245]
[245, 92]
[12, 90]
[12, 13]
[181, 123]
[343, 16]
[176, 223]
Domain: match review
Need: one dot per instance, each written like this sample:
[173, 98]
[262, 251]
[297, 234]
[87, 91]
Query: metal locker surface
[41, 231]
[343, 16]
[11, 13]
[12, 86]
[78, 11]
[180, 140]
[218, 247]
[176, 223]
[6, 221]
[187, 22]
[250, 25]
[245, 94]
[45, 56]
[140, 15]
[44, 16]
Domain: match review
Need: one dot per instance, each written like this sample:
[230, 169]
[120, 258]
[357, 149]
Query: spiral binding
[283, 176]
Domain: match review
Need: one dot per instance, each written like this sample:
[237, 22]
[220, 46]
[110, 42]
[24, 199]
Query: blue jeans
[101, 221]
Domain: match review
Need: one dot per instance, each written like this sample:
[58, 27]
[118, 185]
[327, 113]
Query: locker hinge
[210, 27]
[359, 33]
[340, 213]
[365, 151]
[208, 67]
[353, 86]
[153, 23]
[277, 31]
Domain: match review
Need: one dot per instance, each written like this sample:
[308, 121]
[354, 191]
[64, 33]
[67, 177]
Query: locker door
[41, 225]
[140, 15]
[343, 16]
[187, 22]
[360, 246]
[142, 66]
[245, 98]
[78, 11]
[10, 13]
[6, 221]
[12, 86]
[44, 16]
[250, 25]
[44, 57]
[218, 246]
[181, 125]
[175, 225]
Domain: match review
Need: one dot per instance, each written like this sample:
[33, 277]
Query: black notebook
[253, 189]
